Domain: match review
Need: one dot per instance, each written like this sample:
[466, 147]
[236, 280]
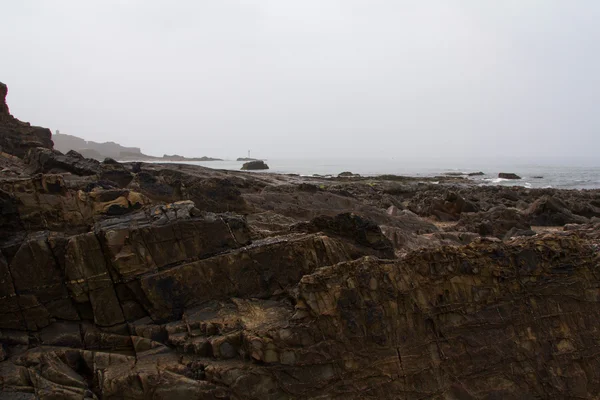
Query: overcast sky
[310, 78]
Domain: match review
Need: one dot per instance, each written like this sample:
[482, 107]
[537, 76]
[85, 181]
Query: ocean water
[552, 176]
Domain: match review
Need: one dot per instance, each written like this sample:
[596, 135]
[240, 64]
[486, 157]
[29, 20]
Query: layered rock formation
[133, 280]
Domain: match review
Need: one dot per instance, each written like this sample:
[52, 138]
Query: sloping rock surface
[167, 281]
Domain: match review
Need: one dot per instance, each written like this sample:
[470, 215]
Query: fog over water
[412, 80]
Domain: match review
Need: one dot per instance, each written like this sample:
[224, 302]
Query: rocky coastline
[146, 280]
[101, 151]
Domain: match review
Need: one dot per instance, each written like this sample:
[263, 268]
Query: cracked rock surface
[169, 281]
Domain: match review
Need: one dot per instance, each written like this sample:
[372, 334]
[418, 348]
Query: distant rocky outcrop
[508, 175]
[176, 157]
[254, 165]
[64, 143]
[454, 173]
[100, 151]
[348, 174]
[246, 159]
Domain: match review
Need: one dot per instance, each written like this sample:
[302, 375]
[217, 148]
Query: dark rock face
[406, 315]
[508, 175]
[445, 323]
[3, 106]
[133, 280]
[42, 160]
[254, 165]
[16, 137]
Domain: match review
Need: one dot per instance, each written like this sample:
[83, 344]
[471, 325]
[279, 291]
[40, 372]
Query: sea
[534, 175]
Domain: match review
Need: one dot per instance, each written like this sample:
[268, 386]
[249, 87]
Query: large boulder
[508, 175]
[254, 165]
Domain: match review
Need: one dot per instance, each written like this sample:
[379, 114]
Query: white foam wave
[495, 180]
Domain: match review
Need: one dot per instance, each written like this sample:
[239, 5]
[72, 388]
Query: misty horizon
[456, 80]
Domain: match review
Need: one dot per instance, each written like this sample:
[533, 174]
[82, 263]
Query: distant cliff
[100, 151]
[64, 143]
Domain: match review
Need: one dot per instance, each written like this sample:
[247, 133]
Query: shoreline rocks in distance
[247, 159]
[254, 165]
[348, 174]
[100, 151]
[457, 174]
[454, 173]
[508, 175]
[176, 157]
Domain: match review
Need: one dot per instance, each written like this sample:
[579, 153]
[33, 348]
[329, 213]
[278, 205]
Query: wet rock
[254, 165]
[508, 175]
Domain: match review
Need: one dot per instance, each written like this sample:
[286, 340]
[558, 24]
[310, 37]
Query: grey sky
[310, 78]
